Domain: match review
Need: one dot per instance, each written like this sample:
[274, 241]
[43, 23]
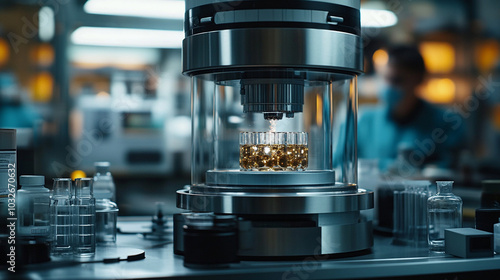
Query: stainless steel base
[273, 241]
[290, 224]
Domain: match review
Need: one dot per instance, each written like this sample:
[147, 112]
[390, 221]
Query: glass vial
[496, 236]
[33, 201]
[106, 216]
[106, 208]
[61, 216]
[84, 218]
[444, 211]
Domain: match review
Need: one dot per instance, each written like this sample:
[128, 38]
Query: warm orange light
[41, 87]
[43, 55]
[439, 57]
[496, 116]
[4, 52]
[91, 65]
[102, 94]
[319, 111]
[78, 174]
[380, 57]
[439, 91]
[487, 55]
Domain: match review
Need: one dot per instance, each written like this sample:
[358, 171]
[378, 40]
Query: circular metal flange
[275, 203]
[276, 190]
[247, 48]
[270, 178]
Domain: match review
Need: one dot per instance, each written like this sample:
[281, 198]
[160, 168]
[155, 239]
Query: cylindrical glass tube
[319, 109]
[105, 226]
[61, 216]
[84, 218]
[410, 213]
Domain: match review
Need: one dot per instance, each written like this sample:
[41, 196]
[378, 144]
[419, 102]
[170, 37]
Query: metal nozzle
[274, 116]
[272, 98]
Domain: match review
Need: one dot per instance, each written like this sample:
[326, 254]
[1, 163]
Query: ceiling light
[377, 18]
[171, 9]
[127, 37]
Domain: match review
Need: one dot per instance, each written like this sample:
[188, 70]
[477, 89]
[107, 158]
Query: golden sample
[273, 157]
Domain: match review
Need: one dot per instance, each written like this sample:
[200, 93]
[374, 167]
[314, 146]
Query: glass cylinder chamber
[298, 131]
[274, 107]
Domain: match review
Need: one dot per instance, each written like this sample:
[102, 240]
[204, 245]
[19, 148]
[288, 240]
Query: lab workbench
[385, 260]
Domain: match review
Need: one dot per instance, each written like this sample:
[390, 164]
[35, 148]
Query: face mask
[391, 97]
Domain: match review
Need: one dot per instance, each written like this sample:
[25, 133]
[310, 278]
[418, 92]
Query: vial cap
[101, 166]
[7, 139]
[32, 180]
[62, 186]
[84, 187]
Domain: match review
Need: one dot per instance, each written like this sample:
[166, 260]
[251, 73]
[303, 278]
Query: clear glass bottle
[33, 201]
[103, 180]
[444, 211]
[61, 216]
[84, 218]
[106, 208]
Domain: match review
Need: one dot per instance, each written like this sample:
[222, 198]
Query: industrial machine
[274, 112]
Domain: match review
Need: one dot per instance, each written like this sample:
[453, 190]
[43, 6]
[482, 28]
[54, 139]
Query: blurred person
[404, 125]
[14, 113]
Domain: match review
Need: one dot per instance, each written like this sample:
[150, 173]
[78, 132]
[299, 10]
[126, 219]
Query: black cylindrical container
[210, 241]
[490, 197]
[486, 218]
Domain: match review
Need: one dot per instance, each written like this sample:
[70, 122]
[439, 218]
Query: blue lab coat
[432, 134]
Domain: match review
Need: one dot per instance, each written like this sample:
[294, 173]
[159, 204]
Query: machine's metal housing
[273, 49]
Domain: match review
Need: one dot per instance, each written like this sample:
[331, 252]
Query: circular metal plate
[275, 203]
[276, 190]
[270, 178]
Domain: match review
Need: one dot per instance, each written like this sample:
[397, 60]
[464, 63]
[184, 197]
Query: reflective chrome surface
[270, 178]
[272, 47]
[306, 241]
[195, 3]
[274, 203]
[258, 96]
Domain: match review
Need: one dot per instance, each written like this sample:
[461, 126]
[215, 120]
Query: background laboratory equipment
[7, 163]
[302, 84]
[84, 218]
[444, 212]
[8, 160]
[61, 219]
[105, 207]
[159, 226]
[490, 195]
[33, 201]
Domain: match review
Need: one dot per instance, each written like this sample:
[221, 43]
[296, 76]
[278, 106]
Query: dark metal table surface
[385, 260]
